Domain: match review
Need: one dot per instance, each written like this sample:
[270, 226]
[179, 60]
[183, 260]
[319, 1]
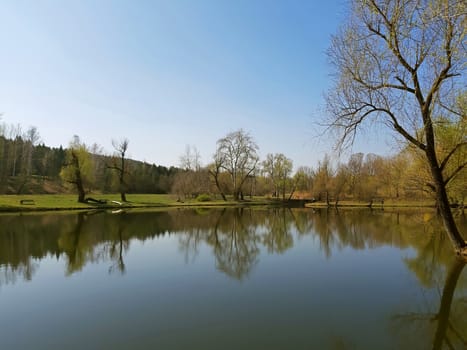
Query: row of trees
[22, 157]
[88, 170]
[29, 166]
[236, 170]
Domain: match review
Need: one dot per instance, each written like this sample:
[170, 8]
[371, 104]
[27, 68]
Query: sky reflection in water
[230, 279]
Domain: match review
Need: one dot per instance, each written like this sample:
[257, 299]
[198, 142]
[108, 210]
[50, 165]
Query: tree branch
[401, 130]
[455, 172]
[402, 87]
[393, 46]
[444, 74]
[404, 84]
[449, 109]
[450, 154]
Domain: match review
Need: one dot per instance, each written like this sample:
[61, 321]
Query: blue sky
[166, 74]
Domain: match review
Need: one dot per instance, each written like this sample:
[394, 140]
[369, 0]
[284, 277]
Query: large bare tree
[238, 155]
[402, 63]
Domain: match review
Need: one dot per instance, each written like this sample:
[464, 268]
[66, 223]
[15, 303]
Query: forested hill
[29, 168]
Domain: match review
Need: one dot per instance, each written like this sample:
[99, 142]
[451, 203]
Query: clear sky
[165, 74]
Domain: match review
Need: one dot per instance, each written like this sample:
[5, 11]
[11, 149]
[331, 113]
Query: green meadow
[69, 202]
[40, 202]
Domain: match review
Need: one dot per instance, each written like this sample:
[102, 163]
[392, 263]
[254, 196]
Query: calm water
[230, 279]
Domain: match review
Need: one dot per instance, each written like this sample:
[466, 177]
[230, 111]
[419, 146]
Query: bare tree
[238, 153]
[354, 167]
[15, 133]
[32, 138]
[191, 159]
[119, 164]
[323, 178]
[400, 63]
[29, 140]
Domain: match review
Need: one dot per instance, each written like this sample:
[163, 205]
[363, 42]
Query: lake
[235, 278]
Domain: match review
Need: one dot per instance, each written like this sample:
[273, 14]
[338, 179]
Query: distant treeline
[27, 166]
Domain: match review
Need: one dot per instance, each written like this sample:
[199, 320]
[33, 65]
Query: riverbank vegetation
[28, 168]
[44, 202]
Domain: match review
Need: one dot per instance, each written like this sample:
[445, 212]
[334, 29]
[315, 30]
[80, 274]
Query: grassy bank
[14, 203]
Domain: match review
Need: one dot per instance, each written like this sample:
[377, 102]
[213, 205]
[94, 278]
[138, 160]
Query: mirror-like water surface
[230, 279]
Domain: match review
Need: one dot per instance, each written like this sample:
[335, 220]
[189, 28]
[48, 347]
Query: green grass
[69, 202]
[12, 203]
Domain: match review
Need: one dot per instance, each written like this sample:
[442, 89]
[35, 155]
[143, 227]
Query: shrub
[203, 198]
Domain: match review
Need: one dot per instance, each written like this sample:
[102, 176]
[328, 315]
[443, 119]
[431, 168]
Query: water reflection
[446, 326]
[457, 329]
[79, 239]
[235, 236]
[237, 239]
[443, 328]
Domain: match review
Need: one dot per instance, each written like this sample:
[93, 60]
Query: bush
[203, 198]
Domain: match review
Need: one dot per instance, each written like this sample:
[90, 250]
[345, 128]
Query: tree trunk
[215, 175]
[80, 188]
[459, 244]
[122, 183]
[81, 192]
[78, 180]
[122, 179]
[292, 192]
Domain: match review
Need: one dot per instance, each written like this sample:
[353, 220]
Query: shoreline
[54, 203]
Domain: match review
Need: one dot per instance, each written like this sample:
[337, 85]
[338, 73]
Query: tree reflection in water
[232, 238]
[236, 248]
[457, 334]
[278, 237]
[446, 326]
[238, 237]
[118, 245]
